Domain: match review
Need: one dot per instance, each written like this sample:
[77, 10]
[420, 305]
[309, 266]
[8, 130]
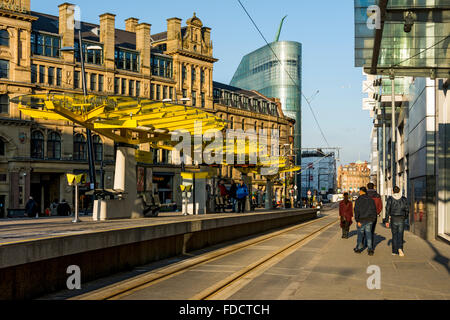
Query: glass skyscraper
[275, 70]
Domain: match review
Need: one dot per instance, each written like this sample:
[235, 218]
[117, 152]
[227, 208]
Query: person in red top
[346, 214]
[223, 194]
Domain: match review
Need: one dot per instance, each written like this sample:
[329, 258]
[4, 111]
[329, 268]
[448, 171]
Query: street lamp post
[88, 131]
[84, 86]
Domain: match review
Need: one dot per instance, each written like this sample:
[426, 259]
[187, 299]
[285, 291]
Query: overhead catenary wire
[292, 79]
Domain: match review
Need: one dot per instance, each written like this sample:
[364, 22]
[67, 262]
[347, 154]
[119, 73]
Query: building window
[256, 126]
[93, 82]
[2, 147]
[124, 86]
[158, 92]
[76, 79]
[203, 99]
[33, 73]
[170, 93]
[4, 69]
[232, 123]
[194, 98]
[51, 76]
[90, 56]
[131, 87]
[161, 66]
[98, 148]
[79, 147]
[202, 77]
[54, 146]
[183, 73]
[138, 88]
[152, 92]
[4, 38]
[243, 124]
[165, 92]
[4, 103]
[116, 85]
[100, 82]
[127, 60]
[193, 74]
[45, 45]
[37, 145]
[41, 74]
[58, 77]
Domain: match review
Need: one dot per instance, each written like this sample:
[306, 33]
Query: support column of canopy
[125, 181]
[269, 194]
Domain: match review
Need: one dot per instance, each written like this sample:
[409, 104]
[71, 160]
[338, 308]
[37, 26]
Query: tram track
[148, 279]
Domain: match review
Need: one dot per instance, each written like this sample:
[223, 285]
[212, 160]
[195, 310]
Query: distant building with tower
[353, 176]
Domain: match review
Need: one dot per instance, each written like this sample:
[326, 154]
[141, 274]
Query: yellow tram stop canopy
[122, 119]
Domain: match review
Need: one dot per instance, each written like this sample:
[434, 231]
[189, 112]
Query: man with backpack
[371, 192]
[397, 211]
[241, 195]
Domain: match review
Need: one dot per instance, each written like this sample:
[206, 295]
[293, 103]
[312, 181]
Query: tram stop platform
[35, 253]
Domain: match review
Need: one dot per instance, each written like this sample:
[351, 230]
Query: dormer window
[127, 60]
[90, 56]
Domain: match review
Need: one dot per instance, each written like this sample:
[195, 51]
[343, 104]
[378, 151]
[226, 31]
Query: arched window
[79, 147]
[37, 145]
[54, 145]
[98, 148]
[4, 38]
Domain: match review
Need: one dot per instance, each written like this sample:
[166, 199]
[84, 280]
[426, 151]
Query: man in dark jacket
[31, 208]
[397, 211]
[365, 215]
[63, 209]
[371, 192]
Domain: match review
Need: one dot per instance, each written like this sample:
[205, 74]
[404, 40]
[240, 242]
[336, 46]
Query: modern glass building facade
[275, 70]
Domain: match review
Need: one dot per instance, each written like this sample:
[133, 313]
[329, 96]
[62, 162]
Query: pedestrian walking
[63, 208]
[371, 192]
[223, 192]
[365, 215]
[241, 195]
[346, 214]
[397, 211]
[233, 197]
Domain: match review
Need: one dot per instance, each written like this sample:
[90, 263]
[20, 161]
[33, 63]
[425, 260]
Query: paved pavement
[327, 268]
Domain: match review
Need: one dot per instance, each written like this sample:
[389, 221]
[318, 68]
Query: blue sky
[325, 28]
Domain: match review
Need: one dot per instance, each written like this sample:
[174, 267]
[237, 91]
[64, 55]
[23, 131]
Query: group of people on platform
[367, 209]
[237, 195]
[56, 208]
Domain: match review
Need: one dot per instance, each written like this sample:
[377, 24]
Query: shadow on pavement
[439, 258]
